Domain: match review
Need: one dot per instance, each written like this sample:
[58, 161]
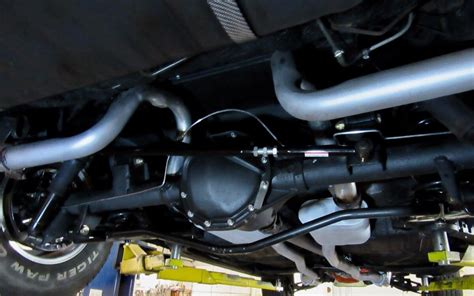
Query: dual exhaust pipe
[438, 77]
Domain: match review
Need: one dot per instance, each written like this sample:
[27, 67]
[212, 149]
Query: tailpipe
[441, 76]
[99, 136]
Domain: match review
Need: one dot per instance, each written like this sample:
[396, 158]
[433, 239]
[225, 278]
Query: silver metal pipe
[175, 252]
[441, 76]
[345, 193]
[441, 243]
[306, 243]
[310, 277]
[333, 258]
[183, 122]
[95, 138]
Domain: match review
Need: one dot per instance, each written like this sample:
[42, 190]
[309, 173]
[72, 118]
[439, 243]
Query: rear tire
[24, 271]
[21, 276]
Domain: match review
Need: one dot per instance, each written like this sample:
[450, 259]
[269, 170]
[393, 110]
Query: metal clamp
[265, 151]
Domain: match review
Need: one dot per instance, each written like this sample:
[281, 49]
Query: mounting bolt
[264, 185]
[366, 54]
[364, 149]
[379, 118]
[264, 160]
[184, 194]
[340, 125]
[190, 214]
[207, 223]
[84, 230]
[138, 161]
[230, 222]
[251, 208]
[338, 53]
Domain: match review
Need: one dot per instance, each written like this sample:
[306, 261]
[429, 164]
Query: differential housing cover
[219, 192]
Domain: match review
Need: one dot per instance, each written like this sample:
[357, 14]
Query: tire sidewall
[20, 276]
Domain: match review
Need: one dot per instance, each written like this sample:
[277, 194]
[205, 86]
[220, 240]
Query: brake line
[267, 129]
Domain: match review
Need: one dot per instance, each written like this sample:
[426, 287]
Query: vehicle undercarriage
[338, 147]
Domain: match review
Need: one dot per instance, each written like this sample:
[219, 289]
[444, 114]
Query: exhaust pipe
[453, 114]
[333, 258]
[99, 136]
[441, 76]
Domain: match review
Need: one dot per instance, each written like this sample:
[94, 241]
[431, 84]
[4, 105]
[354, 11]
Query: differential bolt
[207, 223]
[190, 214]
[364, 149]
[138, 161]
[230, 222]
[84, 230]
[340, 125]
[251, 208]
[379, 118]
[183, 194]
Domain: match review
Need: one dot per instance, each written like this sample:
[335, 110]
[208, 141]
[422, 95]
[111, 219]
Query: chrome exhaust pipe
[438, 77]
[99, 136]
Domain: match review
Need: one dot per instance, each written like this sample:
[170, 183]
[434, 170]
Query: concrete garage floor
[151, 286]
[329, 290]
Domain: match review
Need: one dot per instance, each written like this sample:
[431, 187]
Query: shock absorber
[56, 193]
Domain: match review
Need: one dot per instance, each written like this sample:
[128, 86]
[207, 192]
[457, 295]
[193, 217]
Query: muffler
[99, 136]
[441, 76]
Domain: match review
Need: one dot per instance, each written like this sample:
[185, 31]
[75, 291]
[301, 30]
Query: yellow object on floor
[454, 258]
[460, 283]
[136, 261]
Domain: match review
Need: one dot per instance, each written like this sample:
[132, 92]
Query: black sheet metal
[51, 46]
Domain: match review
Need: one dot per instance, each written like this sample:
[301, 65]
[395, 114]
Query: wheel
[25, 270]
